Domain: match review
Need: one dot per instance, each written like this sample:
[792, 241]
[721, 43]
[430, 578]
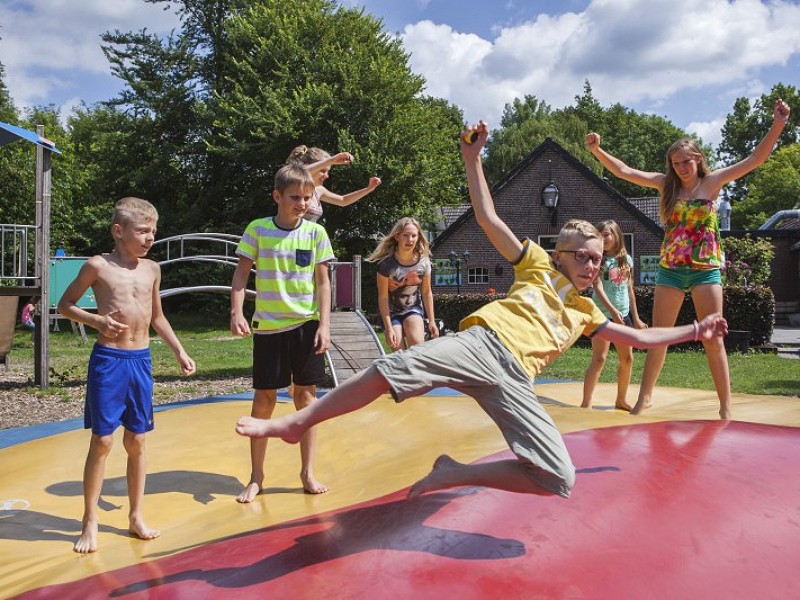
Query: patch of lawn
[753, 373]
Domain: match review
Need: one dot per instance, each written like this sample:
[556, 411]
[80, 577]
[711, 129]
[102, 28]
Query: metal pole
[357, 282]
[42, 337]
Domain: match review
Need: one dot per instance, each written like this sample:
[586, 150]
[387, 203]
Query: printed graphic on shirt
[405, 283]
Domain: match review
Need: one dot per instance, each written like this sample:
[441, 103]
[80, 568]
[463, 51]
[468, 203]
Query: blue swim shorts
[685, 278]
[119, 390]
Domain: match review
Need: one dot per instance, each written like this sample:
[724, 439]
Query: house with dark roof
[466, 262]
[520, 201]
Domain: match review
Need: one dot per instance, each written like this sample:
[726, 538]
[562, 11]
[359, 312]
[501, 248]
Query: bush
[750, 308]
[747, 261]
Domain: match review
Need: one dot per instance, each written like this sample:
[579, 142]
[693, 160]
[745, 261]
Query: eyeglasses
[582, 256]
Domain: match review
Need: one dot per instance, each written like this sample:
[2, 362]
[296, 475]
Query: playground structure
[354, 343]
[19, 277]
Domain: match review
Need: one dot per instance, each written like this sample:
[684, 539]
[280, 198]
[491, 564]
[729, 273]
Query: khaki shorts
[476, 363]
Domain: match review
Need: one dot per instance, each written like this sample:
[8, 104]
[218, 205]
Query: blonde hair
[576, 228]
[306, 156]
[133, 210]
[293, 174]
[618, 250]
[388, 244]
[672, 183]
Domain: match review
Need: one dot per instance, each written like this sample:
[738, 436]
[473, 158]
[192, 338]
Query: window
[478, 275]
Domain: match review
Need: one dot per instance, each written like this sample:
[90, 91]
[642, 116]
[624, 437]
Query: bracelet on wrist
[696, 327]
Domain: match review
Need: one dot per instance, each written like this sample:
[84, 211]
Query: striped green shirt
[285, 261]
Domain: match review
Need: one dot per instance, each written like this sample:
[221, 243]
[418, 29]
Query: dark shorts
[282, 358]
[119, 390]
[398, 319]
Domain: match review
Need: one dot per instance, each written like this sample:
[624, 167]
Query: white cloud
[45, 46]
[630, 54]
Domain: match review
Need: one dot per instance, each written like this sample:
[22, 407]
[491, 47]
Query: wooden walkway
[354, 345]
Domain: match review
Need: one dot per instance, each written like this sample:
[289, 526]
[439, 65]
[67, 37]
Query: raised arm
[619, 168]
[780, 116]
[502, 238]
[343, 158]
[328, 196]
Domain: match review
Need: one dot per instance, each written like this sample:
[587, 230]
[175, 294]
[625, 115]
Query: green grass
[753, 373]
[219, 355]
[207, 340]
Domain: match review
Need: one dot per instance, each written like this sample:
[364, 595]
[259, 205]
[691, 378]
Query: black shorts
[282, 358]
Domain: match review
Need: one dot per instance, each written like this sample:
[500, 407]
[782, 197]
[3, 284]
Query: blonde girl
[319, 163]
[614, 296]
[690, 253]
[404, 284]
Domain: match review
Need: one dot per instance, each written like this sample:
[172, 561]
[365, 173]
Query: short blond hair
[133, 210]
[576, 228]
[293, 174]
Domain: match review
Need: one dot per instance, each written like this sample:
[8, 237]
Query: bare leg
[707, 300]
[507, 475]
[304, 396]
[414, 331]
[136, 475]
[625, 357]
[592, 375]
[93, 470]
[355, 393]
[263, 405]
[666, 306]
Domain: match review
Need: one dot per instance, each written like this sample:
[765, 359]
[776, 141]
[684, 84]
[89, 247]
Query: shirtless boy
[120, 382]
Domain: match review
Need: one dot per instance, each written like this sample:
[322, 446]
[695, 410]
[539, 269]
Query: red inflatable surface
[661, 510]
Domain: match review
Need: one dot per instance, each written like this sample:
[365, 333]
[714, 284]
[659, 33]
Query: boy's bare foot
[269, 428]
[438, 479]
[622, 406]
[586, 405]
[312, 486]
[88, 540]
[249, 493]
[138, 529]
[641, 405]
[725, 413]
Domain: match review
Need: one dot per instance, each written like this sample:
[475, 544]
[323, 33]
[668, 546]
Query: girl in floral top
[690, 254]
[613, 295]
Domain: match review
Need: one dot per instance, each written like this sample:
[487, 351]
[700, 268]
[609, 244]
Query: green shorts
[685, 278]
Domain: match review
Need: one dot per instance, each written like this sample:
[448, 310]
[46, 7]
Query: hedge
[749, 308]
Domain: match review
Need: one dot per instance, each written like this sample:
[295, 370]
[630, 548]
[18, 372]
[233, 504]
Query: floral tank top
[691, 236]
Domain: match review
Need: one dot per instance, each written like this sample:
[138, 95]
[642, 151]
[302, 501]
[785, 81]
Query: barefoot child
[497, 354]
[292, 313]
[119, 387]
[691, 254]
[404, 284]
[613, 294]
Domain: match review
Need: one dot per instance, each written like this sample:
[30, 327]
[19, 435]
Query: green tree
[524, 125]
[327, 76]
[209, 113]
[775, 186]
[746, 126]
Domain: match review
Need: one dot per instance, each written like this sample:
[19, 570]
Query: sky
[685, 60]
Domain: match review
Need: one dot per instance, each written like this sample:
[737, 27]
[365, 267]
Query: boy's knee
[559, 482]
